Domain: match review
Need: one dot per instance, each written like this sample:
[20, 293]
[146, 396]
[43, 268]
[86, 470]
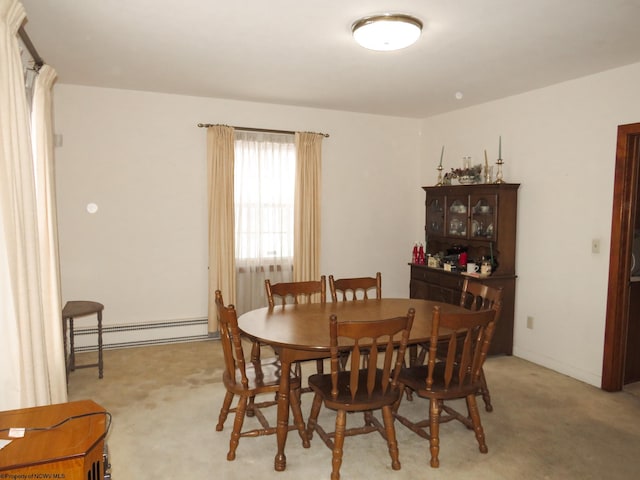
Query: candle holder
[488, 173]
[440, 168]
[499, 179]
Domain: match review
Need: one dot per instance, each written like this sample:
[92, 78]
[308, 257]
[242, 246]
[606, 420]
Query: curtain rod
[249, 129]
[32, 50]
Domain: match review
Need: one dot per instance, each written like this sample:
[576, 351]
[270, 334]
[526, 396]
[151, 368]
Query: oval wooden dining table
[301, 332]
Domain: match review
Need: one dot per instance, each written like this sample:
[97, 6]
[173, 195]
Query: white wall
[559, 143]
[140, 157]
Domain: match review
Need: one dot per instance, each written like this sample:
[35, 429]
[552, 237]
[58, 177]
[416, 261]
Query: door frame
[622, 227]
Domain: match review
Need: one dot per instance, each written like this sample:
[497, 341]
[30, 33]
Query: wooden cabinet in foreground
[65, 440]
[479, 220]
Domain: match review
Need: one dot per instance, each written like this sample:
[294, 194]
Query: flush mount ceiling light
[391, 31]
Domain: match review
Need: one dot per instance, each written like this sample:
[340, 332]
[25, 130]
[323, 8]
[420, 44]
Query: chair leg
[338, 444]
[224, 411]
[396, 405]
[484, 391]
[392, 443]
[251, 407]
[255, 351]
[313, 416]
[368, 415]
[406, 392]
[237, 428]
[434, 432]
[294, 400]
[413, 354]
[472, 406]
[424, 349]
[298, 373]
[343, 359]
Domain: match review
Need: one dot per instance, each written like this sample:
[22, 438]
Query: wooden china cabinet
[480, 219]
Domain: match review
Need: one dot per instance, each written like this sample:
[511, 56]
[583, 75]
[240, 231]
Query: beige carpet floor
[165, 402]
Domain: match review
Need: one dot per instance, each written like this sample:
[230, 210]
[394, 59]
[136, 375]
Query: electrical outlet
[530, 323]
[595, 245]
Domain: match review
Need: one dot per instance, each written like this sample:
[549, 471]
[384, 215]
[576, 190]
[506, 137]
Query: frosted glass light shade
[387, 32]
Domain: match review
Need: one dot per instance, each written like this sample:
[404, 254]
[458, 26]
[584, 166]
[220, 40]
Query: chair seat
[321, 384]
[262, 375]
[415, 378]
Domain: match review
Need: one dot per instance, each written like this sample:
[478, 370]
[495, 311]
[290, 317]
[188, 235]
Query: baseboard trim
[143, 334]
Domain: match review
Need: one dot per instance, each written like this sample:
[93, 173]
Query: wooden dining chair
[479, 296]
[298, 292]
[247, 380]
[361, 390]
[475, 296]
[359, 288]
[294, 292]
[350, 289]
[456, 375]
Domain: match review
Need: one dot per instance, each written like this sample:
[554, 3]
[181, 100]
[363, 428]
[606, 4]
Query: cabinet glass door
[435, 216]
[457, 216]
[483, 216]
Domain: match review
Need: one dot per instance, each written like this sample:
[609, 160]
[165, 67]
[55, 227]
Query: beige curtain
[27, 377]
[306, 237]
[220, 166]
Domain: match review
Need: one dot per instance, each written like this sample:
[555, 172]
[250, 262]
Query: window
[264, 184]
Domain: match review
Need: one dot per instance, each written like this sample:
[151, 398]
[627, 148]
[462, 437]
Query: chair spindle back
[231, 341]
[345, 289]
[466, 348]
[296, 291]
[376, 338]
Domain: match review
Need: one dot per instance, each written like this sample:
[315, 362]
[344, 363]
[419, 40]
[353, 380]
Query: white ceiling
[301, 53]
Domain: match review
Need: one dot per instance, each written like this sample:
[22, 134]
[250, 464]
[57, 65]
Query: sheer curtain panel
[264, 198]
[43, 153]
[220, 166]
[27, 377]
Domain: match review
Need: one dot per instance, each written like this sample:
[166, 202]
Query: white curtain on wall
[42, 135]
[264, 197]
[32, 368]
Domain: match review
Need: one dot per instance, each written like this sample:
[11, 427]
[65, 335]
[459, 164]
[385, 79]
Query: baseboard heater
[141, 334]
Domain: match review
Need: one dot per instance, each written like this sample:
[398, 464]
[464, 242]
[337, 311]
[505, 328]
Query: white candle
[441, 155]
[500, 147]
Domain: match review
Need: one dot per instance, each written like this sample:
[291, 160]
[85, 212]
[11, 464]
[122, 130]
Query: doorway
[621, 362]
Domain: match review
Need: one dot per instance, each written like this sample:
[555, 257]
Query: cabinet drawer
[444, 295]
[439, 277]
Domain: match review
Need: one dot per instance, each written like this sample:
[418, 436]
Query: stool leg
[72, 351]
[66, 348]
[100, 344]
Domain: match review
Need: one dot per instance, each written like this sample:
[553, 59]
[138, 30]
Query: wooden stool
[70, 311]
